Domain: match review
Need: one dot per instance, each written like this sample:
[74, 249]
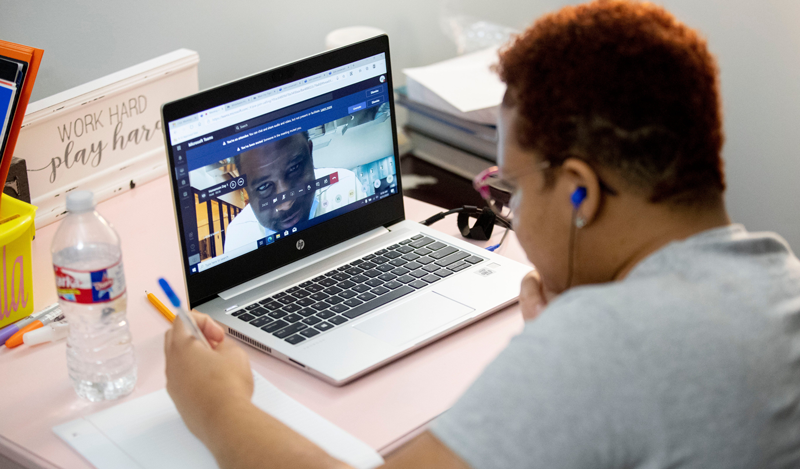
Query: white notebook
[148, 433]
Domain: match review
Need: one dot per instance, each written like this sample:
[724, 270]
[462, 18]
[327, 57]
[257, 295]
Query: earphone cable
[573, 233]
[497, 246]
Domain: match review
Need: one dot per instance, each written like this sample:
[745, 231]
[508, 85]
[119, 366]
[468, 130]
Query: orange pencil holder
[16, 233]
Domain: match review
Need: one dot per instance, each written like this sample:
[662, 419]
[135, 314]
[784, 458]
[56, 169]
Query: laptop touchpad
[414, 318]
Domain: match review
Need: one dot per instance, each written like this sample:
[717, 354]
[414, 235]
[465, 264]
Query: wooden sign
[104, 136]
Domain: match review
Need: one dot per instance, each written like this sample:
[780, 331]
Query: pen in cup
[185, 316]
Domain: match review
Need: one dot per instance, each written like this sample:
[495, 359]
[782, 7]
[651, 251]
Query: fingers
[237, 358]
[228, 346]
[212, 330]
[180, 335]
[531, 297]
[179, 342]
[178, 328]
[167, 341]
[531, 287]
[232, 349]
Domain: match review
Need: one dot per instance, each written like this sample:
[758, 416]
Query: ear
[577, 173]
[310, 147]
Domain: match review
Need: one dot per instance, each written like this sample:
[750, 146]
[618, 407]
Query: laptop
[289, 209]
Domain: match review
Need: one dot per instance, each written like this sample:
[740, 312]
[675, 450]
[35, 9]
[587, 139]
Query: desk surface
[384, 408]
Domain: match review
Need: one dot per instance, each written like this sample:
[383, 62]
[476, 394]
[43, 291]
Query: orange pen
[13, 328]
[160, 306]
[52, 316]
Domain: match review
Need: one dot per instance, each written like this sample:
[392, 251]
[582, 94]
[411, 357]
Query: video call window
[285, 185]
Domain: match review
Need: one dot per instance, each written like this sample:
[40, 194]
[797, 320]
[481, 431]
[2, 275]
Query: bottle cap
[80, 201]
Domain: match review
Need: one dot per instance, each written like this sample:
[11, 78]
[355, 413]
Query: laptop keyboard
[352, 290]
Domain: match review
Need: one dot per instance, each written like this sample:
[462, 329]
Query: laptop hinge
[301, 264]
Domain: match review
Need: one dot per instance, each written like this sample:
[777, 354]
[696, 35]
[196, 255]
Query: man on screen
[278, 167]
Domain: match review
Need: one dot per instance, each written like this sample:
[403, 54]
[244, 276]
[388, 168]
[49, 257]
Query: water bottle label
[82, 286]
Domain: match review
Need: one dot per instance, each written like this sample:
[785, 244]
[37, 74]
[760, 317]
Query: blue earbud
[578, 197]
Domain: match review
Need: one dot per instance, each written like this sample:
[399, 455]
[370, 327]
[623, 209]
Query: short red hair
[625, 86]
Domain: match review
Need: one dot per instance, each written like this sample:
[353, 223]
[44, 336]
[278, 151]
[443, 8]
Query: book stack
[452, 112]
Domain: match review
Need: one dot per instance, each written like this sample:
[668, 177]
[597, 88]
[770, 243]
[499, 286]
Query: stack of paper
[148, 433]
[464, 86]
[452, 112]
[450, 129]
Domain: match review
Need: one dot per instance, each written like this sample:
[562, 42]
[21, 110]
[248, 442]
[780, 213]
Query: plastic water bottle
[91, 291]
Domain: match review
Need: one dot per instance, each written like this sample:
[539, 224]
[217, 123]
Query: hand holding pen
[183, 314]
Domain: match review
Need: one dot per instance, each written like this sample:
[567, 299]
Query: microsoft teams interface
[267, 166]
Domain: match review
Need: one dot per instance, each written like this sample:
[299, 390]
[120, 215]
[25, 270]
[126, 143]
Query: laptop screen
[268, 166]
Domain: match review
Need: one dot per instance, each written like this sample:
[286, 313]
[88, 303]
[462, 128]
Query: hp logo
[300, 244]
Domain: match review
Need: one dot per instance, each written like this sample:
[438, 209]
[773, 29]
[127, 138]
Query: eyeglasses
[497, 191]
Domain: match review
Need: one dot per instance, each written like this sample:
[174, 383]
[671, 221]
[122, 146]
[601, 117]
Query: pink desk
[384, 409]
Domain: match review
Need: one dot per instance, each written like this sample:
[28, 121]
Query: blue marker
[182, 313]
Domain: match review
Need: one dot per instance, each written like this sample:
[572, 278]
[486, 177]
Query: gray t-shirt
[691, 361]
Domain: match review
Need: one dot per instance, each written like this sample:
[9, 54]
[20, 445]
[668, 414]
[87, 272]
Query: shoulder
[709, 310]
[725, 252]
[550, 398]
[683, 295]
[607, 368]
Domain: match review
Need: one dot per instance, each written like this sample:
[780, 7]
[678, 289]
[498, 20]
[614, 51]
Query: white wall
[757, 43]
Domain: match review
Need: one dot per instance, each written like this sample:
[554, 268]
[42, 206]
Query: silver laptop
[290, 215]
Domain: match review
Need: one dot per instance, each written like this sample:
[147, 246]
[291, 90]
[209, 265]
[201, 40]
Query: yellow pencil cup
[16, 233]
